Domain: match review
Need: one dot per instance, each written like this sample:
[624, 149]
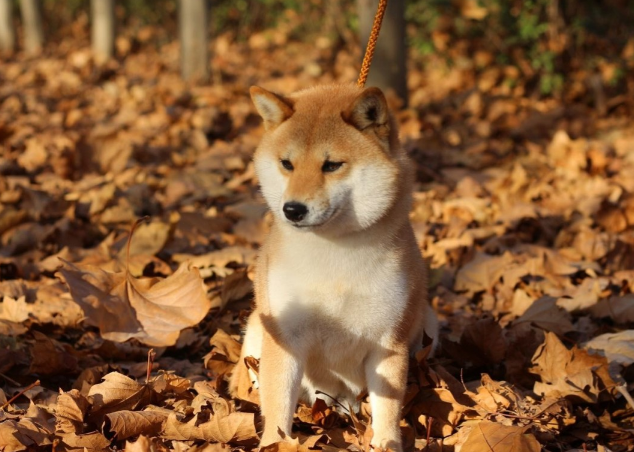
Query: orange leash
[369, 50]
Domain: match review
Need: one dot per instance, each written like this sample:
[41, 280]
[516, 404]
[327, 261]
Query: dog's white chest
[316, 285]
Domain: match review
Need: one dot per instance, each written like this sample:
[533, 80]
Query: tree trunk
[7, 31]
[388, 70]
[32, 19]
[102, 29]
[193, 21]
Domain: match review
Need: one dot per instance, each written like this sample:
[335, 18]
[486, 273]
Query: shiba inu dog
[341, 287]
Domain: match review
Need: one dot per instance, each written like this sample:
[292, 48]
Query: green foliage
[424, 16]
[548, 34]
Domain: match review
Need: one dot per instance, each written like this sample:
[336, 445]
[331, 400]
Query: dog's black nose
[295, 211]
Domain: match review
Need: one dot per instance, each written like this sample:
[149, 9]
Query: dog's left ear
[367, 110]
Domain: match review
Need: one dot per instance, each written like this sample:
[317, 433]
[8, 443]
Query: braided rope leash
[369, 50]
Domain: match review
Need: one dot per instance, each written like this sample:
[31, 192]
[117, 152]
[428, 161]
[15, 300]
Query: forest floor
[524, 207]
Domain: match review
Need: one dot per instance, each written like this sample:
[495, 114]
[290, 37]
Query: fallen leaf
[490, 436]
[14, 310]
[545, 314]
[91, 442]
[116, 393]
[224, 354]
[571, 373]
[49, 358]
[620, 309]
[481, 272]
[70, 411]
[152, 310]
[235, 428]
[169, 383]
[126, 424]
[617, 347]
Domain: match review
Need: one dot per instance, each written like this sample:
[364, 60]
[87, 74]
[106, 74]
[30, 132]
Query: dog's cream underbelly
[351, 291]
[335, 306]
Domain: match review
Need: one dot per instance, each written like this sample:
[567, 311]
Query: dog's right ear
[273, 108]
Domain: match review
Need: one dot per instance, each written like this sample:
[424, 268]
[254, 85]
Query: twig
[10, 380]
[429, 423]
[333, 399]
[150, 361]
[31, 386]
[462, 379]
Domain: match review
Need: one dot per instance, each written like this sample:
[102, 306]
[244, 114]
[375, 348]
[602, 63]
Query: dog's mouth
[317, 225]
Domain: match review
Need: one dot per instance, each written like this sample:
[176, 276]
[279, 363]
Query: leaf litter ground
[524, 208]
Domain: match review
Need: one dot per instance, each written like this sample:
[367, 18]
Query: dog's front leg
[386, 375]
[280, 380]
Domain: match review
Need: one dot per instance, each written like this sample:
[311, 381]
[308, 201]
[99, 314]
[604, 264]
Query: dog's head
[329, 158]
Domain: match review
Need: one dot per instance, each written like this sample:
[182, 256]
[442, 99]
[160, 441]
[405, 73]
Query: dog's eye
[329, 167]
[287, 164]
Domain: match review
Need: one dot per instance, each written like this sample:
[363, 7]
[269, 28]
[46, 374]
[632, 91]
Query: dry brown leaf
[23, 434]
[149, 239]
[208, 397]
[49, 357]
[234, 428]
[11, 329]
[620, 309]
[90, 442]
[493, 396]
[285, 446]
[70, 411]
[142, 444]
[545, 314]
[219, 258]
[175, 429]
[571, 373]
[482, 272]
[224, 354]
[617, 347]
[89, 377]
[236, 286]
[117, 392]
[145, 444]
[489, 436]
[441, 404]
[11, 438]
[101, 295]
[481, 342]
[152, 310]
[125, 424]
[14, 310]
[41, 416]
[312, 440]
[169, 383]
